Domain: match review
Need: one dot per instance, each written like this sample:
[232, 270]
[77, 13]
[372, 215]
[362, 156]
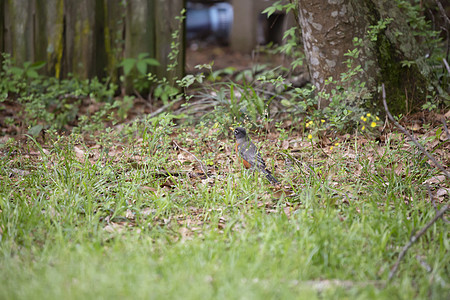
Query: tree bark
[329, 27]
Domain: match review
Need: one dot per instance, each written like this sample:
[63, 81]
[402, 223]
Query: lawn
[126, 213]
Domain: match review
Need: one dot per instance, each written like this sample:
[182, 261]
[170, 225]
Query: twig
[446, 65]
[445, 128]
[436, 163]
[161, 109]
[414, 238]
[205, 171]
[428, 268]
[155, 113]
[431, 198]
[443, 12]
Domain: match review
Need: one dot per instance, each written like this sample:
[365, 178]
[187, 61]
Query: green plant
[87, 221]
[141, 64]
[46, 102]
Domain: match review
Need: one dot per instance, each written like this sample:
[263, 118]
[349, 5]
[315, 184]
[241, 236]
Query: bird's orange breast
[247, 165]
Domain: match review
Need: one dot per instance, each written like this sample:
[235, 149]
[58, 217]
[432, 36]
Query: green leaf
[142, 67]
[151, 62]
[38, 65]
[143, 55]
[35, 130]
[32, 73]
[127, 65]
[16, 71]
[286, 103]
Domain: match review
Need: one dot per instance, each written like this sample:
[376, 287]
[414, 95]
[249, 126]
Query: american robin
[249, 154]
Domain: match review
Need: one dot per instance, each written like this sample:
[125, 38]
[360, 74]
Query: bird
[249, 154]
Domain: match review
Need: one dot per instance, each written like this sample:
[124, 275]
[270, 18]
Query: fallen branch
[414, 238]
[436, 163]
[205, 171]
[163, 108]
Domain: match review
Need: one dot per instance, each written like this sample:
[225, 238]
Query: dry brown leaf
[148, 211]
[129, 214]
[287, 211]
[115, 227]
[398, 170]
[148, 188]
[285, 145]
[435, 179]
[447, 114]
[441, 192]
[79, 153]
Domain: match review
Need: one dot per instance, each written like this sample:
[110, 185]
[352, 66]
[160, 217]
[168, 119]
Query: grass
[90, 219]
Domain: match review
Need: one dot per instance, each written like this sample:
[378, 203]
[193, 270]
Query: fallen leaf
[79, 153]
[441, 192]
[435, 179]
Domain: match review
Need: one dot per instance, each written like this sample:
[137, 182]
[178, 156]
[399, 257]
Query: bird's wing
[249, 152]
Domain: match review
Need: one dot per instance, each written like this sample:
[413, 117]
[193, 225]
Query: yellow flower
[331, 148]
[309, 136]
[307, 125]
[373, 124]
[323, 121]
[365, 119]
[368, 115]
[378, 119]
[336, 144]
[362, 117]
[364, 127]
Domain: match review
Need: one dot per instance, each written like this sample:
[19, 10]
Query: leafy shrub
[49, 103]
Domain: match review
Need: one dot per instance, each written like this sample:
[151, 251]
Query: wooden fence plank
[48, 34]
[2, 28]
[114, 26]
[79, 38]
[18, 33]
[89, 38]
[139, 31]
[164, 28]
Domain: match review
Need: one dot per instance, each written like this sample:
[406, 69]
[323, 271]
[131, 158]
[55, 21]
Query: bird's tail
[270, 177]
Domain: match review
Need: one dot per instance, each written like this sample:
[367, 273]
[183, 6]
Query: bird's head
[240, 133]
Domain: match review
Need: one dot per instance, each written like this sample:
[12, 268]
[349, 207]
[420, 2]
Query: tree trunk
[329, 28]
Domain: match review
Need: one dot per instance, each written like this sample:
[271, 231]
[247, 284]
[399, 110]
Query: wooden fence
[89, 38]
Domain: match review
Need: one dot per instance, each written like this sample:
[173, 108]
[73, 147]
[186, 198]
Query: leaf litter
[183, 170]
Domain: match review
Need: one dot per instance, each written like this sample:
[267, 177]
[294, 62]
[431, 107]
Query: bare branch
[414, 238]
[442, 10]
[446, 65]
[205, 171]
[436, 163]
